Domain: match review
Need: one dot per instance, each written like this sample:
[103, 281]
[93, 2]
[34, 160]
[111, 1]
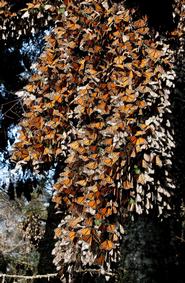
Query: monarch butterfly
[81, 150]
[105, 96]
[80, 200]
[109, 149]
[127, 109]
[107, 245]
[71, 44]
[90, 196]
[148, 75]
[75, 65]
[94, 156]
[94, 188]
[129, 98]
[74, 145]
[140, 141]
[57, 199]
[74, 222]
[158, 161]
[92, 136]
[119, 60]
[144, 164]
[127, 185]
[144, 63]
[85, 231]
[58, 151]
[72, 235]
[143, 30]
[73, 26]
[57, 98]
[58, 232]
[141, 179]
[118, 19]
[115, 238]
[97, 125]
[111, 228]
[140, 23]
[108, 180]
[137, 141]
[154, 54]
[30, 87]
[87, 239]
[100, 260]
[70, 159]
[82, 182]
[97, 7]
[3, 3]
[97, 48]
[36, 122]
[117, 34]
[88, 222]
[125, 82]
[108, 141]
[84, 158]
[91, 71]
[50, 135]
[57, 186]
[21, 154]
[87, 142]
[80, 101]
[101, 106]
[104, 212]
[67, 182]
[108, 162]
[141, 104]
[92, 165]
[133, 139]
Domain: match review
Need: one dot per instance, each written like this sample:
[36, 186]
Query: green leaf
[61, 10]
[137, 170]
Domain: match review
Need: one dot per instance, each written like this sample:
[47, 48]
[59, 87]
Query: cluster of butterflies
[20, 22]
[98, 101]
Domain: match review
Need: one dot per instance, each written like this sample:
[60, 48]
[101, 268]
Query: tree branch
[103, 272]
[28, 277]
[181, 239]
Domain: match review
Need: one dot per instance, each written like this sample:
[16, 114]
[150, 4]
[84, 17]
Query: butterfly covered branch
[100, 102]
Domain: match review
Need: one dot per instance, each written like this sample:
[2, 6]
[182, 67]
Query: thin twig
[10, 109]
[11, 101]
[181, 239]
[103, 272]
[28, 277]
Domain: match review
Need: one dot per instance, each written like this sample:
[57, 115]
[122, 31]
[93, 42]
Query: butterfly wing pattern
[101, 101]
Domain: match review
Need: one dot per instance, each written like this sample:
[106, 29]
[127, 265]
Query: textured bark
[149, 252]
[3, 264]
[46, 246]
